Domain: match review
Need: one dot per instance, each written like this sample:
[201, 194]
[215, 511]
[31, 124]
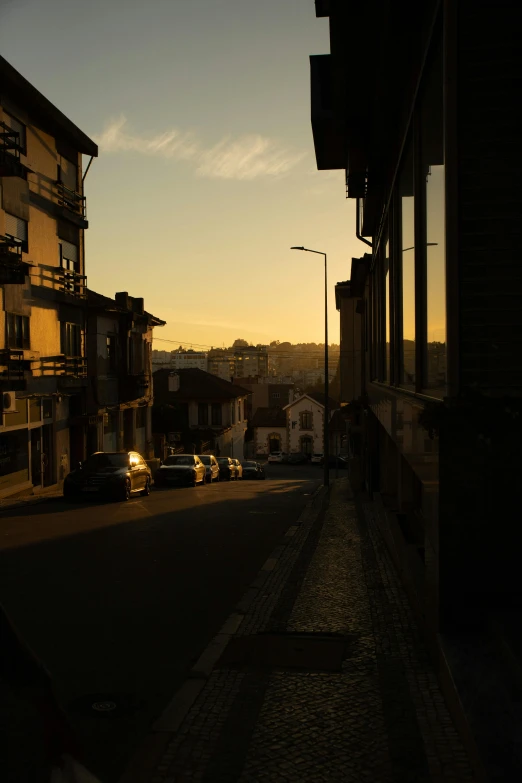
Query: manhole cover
[110, 705]
[286, 651]
[104, 706]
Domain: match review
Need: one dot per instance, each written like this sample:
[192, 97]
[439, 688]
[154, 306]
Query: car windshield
[249, 464]
[223, 460]
[205, 459]
[105, 460]
[181, 459]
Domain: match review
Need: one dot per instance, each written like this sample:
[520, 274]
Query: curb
[151, 750]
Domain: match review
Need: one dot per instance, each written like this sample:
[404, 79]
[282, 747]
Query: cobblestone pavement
[379, 717]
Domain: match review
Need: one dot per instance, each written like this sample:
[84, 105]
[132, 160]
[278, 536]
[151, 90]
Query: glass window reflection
[408, 268]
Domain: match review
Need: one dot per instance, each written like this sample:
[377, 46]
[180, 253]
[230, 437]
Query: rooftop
[269, 417]
[196, 384]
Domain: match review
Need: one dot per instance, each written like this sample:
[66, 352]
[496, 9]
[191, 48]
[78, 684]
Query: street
[119, 599]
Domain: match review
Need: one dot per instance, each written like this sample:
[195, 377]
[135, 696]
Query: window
[203, 413]
[16, 228]
[432, 162]
[276, 395]
[387, 311]
[17, 331]
[68, 174]
[69, 263]
[141, 417]
[407, 253]
[233, 412]
[71, 339]
[17, 127]
[112, 347]
[216, 415]
[111, 423]
[306, 420]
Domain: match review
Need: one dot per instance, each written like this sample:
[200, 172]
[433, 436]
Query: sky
[206, 172]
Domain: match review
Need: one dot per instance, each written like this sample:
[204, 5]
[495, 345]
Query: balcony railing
[66, 368]
[60, 279]
[10, 150]
[11, 268]
[10, 250]
[12, 366]
[71, 200]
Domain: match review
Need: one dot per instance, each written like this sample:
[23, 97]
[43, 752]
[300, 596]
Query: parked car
[212, 467]
[227, 468]
[239, 468]
[181, 469]
[317, 458]
[277, 456]
[114, 474]
[252, 470]
[297, 459]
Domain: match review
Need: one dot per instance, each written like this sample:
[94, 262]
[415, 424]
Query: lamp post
[326, 449]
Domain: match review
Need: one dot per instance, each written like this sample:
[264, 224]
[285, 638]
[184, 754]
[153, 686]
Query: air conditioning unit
[9, 402]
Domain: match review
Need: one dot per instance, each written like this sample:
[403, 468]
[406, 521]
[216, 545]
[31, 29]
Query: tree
[240, 343]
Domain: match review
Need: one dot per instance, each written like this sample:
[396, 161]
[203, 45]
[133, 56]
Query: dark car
[227, 468]
[181, 469]
[297, 459]
[114, 474]
[252, 470]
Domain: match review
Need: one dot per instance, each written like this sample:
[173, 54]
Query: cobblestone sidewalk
[379, 716]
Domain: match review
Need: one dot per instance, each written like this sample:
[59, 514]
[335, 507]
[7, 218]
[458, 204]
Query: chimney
[138, 305]
[174, 382]
[122, 299]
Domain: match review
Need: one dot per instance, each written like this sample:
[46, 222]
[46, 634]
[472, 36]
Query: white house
[270, 431]
[305, 423]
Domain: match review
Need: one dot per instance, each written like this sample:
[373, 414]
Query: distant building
[251, 362]
[185, 360]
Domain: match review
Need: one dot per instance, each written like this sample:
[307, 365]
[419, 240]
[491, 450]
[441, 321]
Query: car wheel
[126, 491]
[146, 490]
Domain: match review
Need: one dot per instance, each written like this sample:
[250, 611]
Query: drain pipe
[358, 223]
[87, 169]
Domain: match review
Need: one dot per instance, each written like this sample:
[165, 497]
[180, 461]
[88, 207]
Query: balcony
[10, 150]
[70, 371]
[134, 387]
[12, 268]
[59, 279]
[327, 125]
[12, 369]
[72, 203]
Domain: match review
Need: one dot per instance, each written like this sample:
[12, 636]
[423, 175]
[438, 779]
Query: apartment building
[43, 218]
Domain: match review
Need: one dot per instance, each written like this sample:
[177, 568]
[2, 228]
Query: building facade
[422, 114]
[119, 356]
[42, 286]
[200, 412]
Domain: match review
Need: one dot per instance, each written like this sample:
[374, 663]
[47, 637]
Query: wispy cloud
[247, 157]
[243, 158]
[171, 144]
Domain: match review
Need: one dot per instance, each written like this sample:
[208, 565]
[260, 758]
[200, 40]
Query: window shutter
[69, 251]
[15, 227]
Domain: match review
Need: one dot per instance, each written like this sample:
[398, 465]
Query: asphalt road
[119, 599]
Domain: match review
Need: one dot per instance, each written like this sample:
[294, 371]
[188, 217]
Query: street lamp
[326, 450]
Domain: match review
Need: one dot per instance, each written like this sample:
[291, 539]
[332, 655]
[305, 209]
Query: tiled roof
[196, 384]
[269, 417]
